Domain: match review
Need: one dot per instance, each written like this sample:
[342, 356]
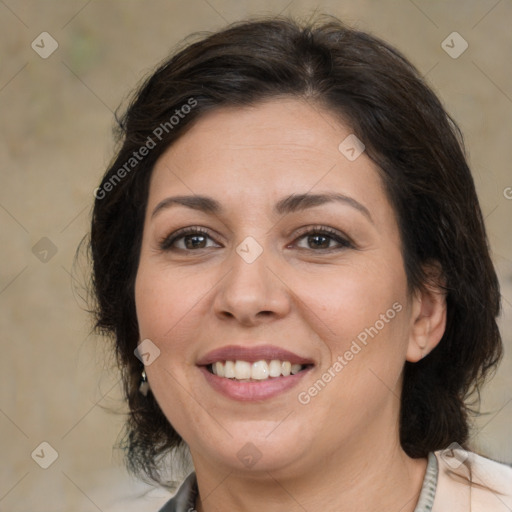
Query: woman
[289, 253]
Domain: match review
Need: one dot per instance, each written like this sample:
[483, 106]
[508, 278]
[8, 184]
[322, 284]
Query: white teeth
[242, 370]
[274, 368]
[259, 370]
[229, 370]
[295, 368]
[219, 367]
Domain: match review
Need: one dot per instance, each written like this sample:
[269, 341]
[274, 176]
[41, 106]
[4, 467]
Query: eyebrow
[289, 204]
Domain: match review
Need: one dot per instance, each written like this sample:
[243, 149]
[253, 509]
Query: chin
[255, 450]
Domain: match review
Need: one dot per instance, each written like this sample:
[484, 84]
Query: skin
[340, 451]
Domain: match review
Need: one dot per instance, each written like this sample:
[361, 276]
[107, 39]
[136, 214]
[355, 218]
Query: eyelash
[166, 244]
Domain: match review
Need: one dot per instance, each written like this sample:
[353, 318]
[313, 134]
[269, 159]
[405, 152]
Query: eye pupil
[191, 241]
[325, 243]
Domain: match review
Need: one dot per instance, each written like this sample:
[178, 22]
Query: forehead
[286, 127]
[264, 152]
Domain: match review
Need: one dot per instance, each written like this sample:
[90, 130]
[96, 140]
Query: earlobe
[428, 321]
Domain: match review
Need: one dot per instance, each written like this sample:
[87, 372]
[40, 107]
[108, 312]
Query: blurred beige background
[58, 385]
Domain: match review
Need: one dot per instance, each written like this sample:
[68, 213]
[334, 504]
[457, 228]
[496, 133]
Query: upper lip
[251, 355]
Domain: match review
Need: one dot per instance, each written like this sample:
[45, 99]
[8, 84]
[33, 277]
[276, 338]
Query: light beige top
[469, 482]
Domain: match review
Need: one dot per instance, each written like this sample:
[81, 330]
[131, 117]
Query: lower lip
[252, 391]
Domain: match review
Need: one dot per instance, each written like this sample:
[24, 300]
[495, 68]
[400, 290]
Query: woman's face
[272, 285]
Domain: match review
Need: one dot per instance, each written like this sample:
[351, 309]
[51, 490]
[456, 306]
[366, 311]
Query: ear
[428, 315]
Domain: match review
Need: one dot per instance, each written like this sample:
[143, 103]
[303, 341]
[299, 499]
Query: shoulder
[185, 498]
[468, 481]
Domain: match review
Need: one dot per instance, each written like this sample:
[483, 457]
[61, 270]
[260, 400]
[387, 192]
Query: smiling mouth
[245, 371]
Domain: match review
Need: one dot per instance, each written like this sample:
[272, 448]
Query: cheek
[362, 319]
[163, 300]
[150, 303]
[163, 306]
[350, 299]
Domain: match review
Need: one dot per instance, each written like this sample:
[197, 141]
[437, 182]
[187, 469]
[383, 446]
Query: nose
[252, 293]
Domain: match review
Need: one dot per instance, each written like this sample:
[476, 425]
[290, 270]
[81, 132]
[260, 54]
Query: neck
[371, 479]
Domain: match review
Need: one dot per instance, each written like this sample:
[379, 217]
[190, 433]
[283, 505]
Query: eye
[186, 239]
[321, 237]
[196, 238]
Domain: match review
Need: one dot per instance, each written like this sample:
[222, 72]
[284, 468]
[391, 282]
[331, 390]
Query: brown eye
[319, 241]
[323, 238]
[187, 239]
[194, 241]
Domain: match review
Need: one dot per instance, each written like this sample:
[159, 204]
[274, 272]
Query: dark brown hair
[406, 131]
